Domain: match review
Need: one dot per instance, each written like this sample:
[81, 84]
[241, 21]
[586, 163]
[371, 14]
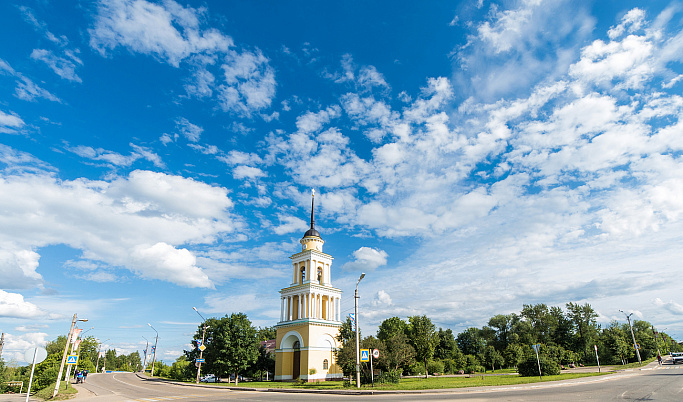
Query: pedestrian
[79, 378]
[76, 374]
[85, 375]
[659, 359]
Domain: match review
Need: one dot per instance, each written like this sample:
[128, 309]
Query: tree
[422, 335]
[390, 327]
[492, 357]
[345, 356]
[446, 346]
[266, 333]
[231, 345]
[471, 342]
[583, 318]
[399, 353]
[513, 354]
[503, 325]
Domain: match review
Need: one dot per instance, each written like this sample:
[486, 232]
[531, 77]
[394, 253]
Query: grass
[635, 365]
[63, 394]
[422, 383]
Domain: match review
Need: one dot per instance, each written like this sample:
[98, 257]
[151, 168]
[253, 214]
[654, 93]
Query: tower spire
[312, 209]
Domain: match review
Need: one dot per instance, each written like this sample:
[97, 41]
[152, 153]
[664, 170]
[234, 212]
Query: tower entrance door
[296, 361]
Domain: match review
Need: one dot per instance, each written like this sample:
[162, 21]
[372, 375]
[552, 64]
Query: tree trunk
[236, 376]
[426, 373]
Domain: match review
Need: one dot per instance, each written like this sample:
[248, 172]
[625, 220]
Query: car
[209, 378]
[676, 357]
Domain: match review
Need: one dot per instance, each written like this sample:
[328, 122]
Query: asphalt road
[652, 383]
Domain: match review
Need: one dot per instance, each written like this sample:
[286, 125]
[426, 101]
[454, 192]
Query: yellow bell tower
[310, 315]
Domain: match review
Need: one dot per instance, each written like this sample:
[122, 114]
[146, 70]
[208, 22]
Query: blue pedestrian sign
[200, 360]
[72, 359]
[365, 355]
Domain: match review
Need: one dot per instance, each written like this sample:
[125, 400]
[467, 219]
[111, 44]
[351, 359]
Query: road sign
[200, 360]
[40, 353]
[537, 347]
[72, 359]
[637, 346]
[365, 355]
[375, 353]
[199, 342]
[202, 347]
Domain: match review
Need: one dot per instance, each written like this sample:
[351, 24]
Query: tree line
[566, 337]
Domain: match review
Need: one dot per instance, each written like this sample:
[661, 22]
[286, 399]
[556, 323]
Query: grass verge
[63, 394]
[422, 383]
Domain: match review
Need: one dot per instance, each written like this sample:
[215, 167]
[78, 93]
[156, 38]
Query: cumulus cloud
[13, 305]
[65, 68]
[290, 224]
[167, 31]
[190, 131]
[367, 259]
[143, 222]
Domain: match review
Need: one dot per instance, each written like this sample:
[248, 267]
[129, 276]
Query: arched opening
[303, 274]
[326, 364]
[320, 276]
[296, 361]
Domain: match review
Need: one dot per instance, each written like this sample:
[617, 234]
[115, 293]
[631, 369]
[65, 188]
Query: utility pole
[201, 351]
[144, 365]
[635, 345]
[2, 343]
[357, 333]
[154, 355]
[99, 353]
[66, 349]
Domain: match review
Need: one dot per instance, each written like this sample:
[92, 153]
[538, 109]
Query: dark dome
[311, 232]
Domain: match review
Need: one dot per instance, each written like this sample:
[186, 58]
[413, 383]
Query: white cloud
[191, 131]
[247, 172]
[367, 259]
[144, 222]
[115, 158]
[63, 67]
[168, 31]
[672, 306]
[249, 82]
[13, 305]
[290, 224]
[10, 123]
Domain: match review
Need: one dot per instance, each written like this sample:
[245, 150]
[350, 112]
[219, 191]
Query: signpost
[39, 354]
[365, 355]
[375, 354]
[537, 347]
[596, 356]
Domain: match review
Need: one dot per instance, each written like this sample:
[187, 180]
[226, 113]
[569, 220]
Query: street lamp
[99, 352]
[201, 352]
[154, 355]
[66, 349]
[635, 345]
[362, 275]
[78, 349]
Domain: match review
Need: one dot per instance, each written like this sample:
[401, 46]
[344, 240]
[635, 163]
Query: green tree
[345, 355]
[513, 354]
[503, 325]
[231, 345]
[178, 370]
[422, 335]
[390, 327]
[493, 358]
[266, 333]
[583, 318]
[471, 342]
[399, 352]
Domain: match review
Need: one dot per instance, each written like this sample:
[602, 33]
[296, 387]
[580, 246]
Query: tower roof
[312, 232]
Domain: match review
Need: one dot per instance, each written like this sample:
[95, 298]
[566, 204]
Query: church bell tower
[310, 315]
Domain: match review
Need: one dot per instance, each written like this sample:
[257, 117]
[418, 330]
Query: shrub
[435, 366]
[389, 377]
[529, 367]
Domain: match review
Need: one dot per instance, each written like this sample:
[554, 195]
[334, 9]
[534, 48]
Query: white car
[209, 378]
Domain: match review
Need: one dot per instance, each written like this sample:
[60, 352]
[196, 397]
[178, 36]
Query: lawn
[422, 383]
[46, 393]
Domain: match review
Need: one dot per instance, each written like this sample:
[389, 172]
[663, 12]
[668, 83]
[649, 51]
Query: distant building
[310, 315]
[269, 345]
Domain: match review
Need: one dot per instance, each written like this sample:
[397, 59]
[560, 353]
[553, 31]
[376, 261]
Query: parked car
[209, 378]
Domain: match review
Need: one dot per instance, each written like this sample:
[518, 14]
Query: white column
[289, 308]
[282, 308]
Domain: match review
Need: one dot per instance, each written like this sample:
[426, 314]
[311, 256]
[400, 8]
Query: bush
[435, 366]
[529, 367]
[389, 377]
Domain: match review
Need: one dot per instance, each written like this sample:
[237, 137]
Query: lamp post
[78, 351]
[635, 345]
[144, 364]
[99, 352]
[154, 355]
[66, 349]
[362, 275]
[201, 352]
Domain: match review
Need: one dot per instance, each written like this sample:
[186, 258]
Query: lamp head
[195, 309]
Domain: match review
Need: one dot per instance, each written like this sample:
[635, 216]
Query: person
[75, 374]
[85, 374]
[659, 359]
[79, 378]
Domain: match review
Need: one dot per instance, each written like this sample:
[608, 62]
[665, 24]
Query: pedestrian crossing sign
[72, 359]
[365, 355]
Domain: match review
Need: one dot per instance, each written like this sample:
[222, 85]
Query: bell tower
[310, 315]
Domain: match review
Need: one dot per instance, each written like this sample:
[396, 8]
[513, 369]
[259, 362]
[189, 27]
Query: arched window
[320, 276]
[303, 274]
[325, 364]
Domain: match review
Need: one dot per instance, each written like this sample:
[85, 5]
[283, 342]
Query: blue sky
[470, 157]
